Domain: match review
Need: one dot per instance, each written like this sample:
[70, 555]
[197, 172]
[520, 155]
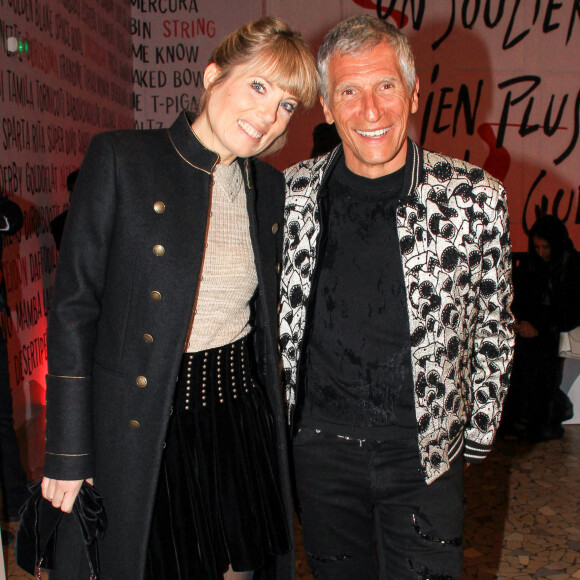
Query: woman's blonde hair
[270, 46]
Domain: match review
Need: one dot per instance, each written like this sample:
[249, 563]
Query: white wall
[75, 82]
[485, 75]
[571, 386]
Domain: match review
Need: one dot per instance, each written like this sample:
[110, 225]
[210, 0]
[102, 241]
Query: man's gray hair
[359, 34]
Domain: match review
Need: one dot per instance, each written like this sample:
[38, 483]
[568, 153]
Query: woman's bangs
[282, 68]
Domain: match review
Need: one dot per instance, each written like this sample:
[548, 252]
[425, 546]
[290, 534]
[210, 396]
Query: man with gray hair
[396, 331]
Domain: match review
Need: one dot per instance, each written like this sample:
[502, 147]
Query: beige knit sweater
[228, 277]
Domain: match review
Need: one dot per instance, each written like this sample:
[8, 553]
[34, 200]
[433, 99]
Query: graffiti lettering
[186, 78]
[28, 312]
[527, 85]
[11, 179]
[30, 357]
[140, 28]
[150, 79]
[20, 90]
[174, 103]
[176, 53]
[148, 124]
[561, 205]
[141, 52]
[417, 12]
[22, 135]
[467, 13]
[164, 6]
[462, 103]
[189, 28]
[15, 274]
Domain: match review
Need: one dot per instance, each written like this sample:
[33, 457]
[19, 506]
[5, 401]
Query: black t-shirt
[358, 372]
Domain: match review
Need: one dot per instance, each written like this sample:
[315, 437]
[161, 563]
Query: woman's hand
[62, 493]
[525, 329]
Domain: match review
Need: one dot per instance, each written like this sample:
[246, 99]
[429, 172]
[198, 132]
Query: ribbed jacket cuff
[455, 448]
[474, 452]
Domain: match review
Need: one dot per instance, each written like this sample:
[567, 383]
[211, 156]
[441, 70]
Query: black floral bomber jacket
[453, 231]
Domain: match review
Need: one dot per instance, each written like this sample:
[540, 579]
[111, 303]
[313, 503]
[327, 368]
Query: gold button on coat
[156, 296]
[148, 338]
[159, 207]
[134, 424]
[275, 228]
[141, 381]
[158, 250]
[278, 267]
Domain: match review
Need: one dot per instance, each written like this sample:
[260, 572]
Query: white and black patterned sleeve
[493, 340]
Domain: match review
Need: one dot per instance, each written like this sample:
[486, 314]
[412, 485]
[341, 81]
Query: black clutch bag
[37, 534]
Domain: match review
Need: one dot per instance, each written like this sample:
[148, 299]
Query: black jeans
[365, 508]
[12, 475]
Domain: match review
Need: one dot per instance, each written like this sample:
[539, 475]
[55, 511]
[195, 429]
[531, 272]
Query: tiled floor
[523, 514]
[523, 511]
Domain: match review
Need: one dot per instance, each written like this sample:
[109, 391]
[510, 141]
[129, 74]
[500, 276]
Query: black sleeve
[10, 216]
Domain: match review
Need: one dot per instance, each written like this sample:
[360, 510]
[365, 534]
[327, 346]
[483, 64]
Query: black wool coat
[125, 287]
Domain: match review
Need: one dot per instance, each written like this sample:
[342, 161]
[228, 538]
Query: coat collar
[188, 146]
[413, 168]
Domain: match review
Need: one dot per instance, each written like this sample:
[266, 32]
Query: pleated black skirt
[218, 500]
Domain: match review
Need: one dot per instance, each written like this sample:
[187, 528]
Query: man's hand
[62, 493]
[525, 329]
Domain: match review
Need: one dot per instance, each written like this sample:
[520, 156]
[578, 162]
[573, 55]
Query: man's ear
[327, 114]
[211, 73]
[415, 97]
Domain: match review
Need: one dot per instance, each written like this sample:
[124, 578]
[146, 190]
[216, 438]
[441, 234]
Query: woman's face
[543, 248]
[244, 113]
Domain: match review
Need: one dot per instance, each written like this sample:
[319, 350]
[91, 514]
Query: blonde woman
[163, 381]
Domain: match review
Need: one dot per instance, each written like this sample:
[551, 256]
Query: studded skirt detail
[218, 501]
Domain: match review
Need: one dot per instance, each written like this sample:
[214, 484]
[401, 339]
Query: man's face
[370, 104]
